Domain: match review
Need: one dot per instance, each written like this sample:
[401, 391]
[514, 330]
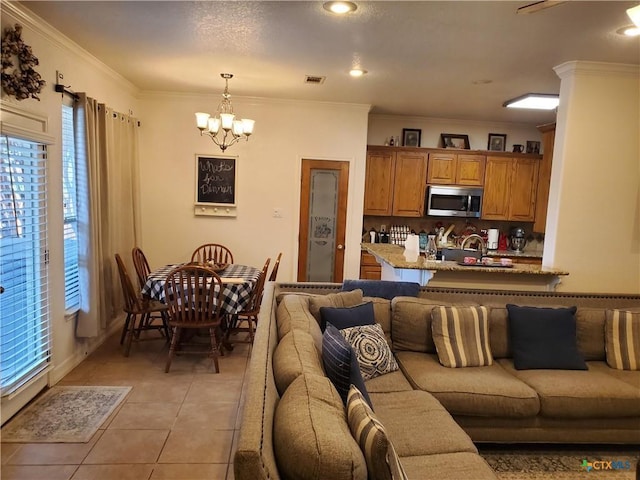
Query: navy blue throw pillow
[341, 364]
[347, 317]
[544, 338]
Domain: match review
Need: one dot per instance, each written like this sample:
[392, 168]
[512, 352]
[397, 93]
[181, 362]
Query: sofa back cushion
[293, 312]
[382, 314]
[590, 332]
[295, 354]
[342, 299]
[312, 439]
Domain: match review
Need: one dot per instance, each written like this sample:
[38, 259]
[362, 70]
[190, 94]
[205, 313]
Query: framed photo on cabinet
[411, 137]
[533, 147]
[454, 140]
[497, 142]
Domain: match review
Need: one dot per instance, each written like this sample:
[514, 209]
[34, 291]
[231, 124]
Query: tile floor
[177, 426]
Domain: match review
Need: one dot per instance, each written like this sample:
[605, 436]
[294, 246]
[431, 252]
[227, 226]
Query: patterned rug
[64, 415]
[568, 463]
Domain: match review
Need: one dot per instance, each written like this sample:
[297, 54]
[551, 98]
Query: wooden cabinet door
[470, 169]
[524, 183]
[409, 184]
[378, 189]
[370, 269]
[442, 168]
[497, 182]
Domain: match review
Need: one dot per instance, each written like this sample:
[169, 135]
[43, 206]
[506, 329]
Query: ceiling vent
[314, 80]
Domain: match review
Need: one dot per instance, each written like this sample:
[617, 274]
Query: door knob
[340, 247]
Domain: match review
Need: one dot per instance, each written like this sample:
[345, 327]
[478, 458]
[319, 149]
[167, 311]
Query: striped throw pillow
[382, 461]
[461, 335]
[622, 335]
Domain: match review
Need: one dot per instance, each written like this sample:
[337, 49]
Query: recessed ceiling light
[340, 8]
[537, 101]
[634, 15]
[629, 31]
[357, 72]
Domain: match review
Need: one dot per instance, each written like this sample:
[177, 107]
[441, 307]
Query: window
[24, 306]
[69, 198]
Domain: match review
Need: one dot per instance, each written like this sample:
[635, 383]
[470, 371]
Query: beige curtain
[108, 208]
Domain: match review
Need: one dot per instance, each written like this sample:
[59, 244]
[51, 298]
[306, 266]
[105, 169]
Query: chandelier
[223, 128]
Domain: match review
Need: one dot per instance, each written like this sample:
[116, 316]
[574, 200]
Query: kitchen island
[400, 265]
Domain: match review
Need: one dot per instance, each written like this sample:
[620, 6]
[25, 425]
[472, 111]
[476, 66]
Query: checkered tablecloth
[235, 296]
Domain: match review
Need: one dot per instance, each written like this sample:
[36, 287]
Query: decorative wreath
[20, 80]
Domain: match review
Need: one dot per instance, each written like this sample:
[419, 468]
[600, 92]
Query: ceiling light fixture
[340, 8]
[232, 130]
[629, 31]
[357, 72]
[537, 101]
[634, 15]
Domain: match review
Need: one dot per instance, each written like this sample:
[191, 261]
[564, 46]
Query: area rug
[67, 414]
[574, 463]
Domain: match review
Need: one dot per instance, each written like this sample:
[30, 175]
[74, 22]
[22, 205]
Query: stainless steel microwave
[445, 201]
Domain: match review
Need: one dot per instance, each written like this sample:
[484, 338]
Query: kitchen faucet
[475, 236]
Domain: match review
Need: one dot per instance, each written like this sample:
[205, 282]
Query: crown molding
[578, 67]
[25, 16]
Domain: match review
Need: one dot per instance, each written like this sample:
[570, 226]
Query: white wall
[268, 176]
[593, 226]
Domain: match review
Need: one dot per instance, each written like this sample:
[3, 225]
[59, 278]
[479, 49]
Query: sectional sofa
[295, 424]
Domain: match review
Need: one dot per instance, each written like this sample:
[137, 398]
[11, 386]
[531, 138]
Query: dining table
[238, 282]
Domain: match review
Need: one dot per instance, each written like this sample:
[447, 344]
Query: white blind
[24, 304]
[70, 197]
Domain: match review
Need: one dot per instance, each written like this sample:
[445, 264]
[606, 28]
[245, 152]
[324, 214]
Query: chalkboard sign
[216, 180]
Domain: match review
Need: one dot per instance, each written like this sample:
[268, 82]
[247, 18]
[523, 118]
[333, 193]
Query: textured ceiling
[437, 59]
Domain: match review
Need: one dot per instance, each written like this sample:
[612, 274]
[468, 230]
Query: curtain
[108, 208]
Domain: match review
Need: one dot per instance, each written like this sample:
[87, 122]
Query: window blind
[24, 304]
[69, 198]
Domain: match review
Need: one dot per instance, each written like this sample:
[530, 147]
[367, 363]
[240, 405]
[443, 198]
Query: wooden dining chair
[141, 265]
[194, 296]
[212, 251]
[144, 311]
[274, 271]
[247, 319]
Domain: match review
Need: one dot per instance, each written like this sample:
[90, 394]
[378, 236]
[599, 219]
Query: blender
[517, 239]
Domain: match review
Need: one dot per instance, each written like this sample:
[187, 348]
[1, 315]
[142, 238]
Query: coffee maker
[517, 239]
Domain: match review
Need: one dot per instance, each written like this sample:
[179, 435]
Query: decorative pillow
[373, 352]
[544, 338]
[382, 461]
[461, 335]
[348, 316]
[342, 299]
[341, 364]
[622, 334]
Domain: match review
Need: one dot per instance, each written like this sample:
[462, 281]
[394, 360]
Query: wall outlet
[383, 228]
[277, 213]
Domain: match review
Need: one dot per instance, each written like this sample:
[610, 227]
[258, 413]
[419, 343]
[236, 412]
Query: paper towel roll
[492, 238]
[412, 243]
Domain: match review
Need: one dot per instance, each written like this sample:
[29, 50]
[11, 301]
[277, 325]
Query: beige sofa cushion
[482, 391]
[631, 377]
[579, 393]
[590, 332]
[295, 354]
[342, 299]
[293, 312]
[499, 331]
[312, 439]
[449, 466]
[382, 314]
[427, 430]
[389, 382]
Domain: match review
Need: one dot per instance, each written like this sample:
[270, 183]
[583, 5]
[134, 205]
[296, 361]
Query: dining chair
[141, 265]
[143, 310]
[194, 296]
[247, 319]
[274, 271]
[212, 251]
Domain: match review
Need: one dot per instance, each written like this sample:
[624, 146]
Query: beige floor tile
[53, 453]
[203, 471]
[218, 416]
[169, 390]
[214, 390]
[230, 473]
[7, 450]
[147, 416]
[37, 472]
[113, 472]
[127, 446]
[201, 445]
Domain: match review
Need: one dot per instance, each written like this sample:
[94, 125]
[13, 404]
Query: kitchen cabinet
[510, 187]
[456, 169]
[544, 177]
[395, 182]
[370, 269]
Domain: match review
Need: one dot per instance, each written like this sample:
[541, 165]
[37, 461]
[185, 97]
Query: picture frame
[533, 147]
[455, 140]
[497, 142]
[216, 182]
[411, 137]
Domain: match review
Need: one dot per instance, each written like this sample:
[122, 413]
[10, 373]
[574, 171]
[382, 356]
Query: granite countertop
[490, 253]
[394, 256]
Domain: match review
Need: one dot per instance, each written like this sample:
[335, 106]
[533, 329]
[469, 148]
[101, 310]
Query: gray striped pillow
[461, 335]
[622, 335]
[382, 461]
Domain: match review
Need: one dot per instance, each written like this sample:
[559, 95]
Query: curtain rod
[61, 89]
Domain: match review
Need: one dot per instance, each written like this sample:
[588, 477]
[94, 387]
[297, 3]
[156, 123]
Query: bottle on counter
[391, 142]
[431, 250]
